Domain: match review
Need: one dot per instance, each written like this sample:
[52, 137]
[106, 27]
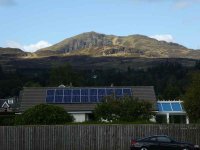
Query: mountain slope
[12, 52]
[96, 44]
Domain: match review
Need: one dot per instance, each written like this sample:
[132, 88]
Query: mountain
[96, 44]
[10, 55]
[93, 50]
[12, 52]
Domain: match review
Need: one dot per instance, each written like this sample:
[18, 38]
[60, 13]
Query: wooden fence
[88, 137]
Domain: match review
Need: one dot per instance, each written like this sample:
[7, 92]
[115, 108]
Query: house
[80, 101]
[7, 105]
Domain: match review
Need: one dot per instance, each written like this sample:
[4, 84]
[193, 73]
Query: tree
[197, 65]
[192, 98]
[127, 109]
[44, 114]
[32, 84]
[63, 74]
[171, 92]
[134, 110]
[108, 110]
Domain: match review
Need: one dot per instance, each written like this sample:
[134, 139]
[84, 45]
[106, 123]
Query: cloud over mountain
[30, 47]
[163, 37]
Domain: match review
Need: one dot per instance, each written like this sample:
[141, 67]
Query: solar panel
[67, 99]
[76, 99]
[166, 107]
[58, 99]
[84, 99]
[169, 106]
[76, 92]
[93, 99]
[127, 92]
[176, 106]
[109, 92]
[101, 92]
[59, 92]
[93, 91]
[84, 92]
[50, 92]
[84, 95]
[159, 105]
[118, 92]
[67, 92]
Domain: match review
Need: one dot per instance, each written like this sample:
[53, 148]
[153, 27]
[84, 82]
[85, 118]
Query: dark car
[160, 142]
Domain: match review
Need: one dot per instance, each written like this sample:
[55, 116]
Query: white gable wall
[80, 116]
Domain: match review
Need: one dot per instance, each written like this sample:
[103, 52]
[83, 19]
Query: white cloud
[39, 45]
[163, 37]
[28, 48]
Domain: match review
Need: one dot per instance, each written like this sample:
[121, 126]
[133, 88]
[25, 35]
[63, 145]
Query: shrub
[127, 109]
[7, 120]
[44, 114]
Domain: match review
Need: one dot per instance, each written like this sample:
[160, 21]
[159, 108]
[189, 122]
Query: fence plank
[89, 137]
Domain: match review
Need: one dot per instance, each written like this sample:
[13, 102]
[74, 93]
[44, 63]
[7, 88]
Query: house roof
[6, 103]
[31, 96]
[172, 107]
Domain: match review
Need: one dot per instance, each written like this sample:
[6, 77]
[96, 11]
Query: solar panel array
[84, 95]
[170, 106]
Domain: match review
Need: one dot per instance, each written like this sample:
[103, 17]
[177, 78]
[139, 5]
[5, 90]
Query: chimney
[70, 84]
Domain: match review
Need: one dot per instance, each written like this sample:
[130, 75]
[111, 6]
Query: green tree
[197, 65]
[108, 110]
[127, 109]
[133, 109]
[32, 84]
[44, 114]
[64, 74]
[171, 92]
[192, 98]
[61, 75]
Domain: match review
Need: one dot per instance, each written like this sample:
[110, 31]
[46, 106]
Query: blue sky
[30, 25]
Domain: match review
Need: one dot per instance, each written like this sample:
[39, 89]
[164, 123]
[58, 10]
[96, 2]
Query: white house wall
[79, 117]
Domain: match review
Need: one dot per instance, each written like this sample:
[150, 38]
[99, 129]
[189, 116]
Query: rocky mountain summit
[96, 44]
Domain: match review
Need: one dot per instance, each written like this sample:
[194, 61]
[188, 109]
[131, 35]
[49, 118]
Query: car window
[163, 139]
[152, 139]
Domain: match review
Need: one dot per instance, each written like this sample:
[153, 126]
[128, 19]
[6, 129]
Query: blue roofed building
[171, 111]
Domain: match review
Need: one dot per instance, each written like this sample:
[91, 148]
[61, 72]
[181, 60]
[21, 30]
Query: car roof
[153, 136]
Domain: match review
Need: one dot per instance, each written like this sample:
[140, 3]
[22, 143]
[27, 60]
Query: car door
[165, 143]
[151, 143]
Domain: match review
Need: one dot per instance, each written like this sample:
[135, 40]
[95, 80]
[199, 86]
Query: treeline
[169, 79]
